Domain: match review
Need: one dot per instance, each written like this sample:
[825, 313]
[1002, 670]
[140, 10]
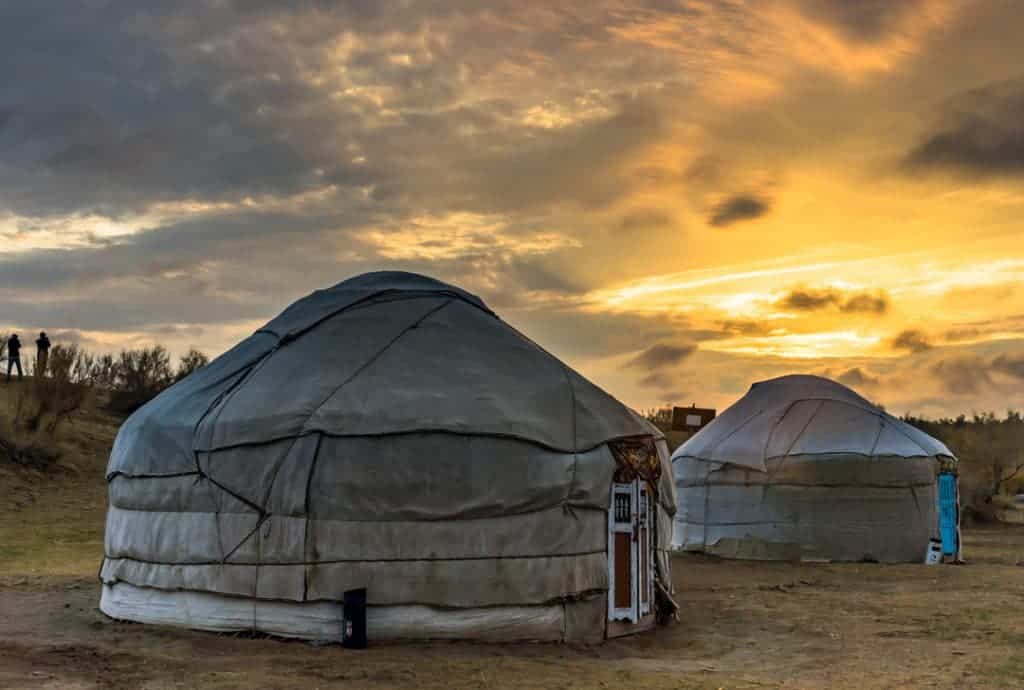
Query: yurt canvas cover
[391, 433]
[802, 467]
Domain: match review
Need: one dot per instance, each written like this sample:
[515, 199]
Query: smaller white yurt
[803, 468]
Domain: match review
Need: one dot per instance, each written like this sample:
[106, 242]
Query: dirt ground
[742, 625]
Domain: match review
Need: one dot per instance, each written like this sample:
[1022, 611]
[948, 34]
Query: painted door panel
[948, 513]
[630, 558]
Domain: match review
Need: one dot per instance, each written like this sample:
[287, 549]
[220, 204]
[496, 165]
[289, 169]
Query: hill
[53, 501]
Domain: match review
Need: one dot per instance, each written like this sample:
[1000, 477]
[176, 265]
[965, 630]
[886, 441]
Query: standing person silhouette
[14, 356]
[42, 354]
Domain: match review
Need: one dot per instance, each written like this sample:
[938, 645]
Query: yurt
[803, 468]
[391, 437]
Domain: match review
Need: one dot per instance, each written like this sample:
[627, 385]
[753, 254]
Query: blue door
[947, 513]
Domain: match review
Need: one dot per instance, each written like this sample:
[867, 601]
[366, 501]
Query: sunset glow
[771, 187]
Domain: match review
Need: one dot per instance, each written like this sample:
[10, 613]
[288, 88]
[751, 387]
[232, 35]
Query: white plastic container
[933, 555]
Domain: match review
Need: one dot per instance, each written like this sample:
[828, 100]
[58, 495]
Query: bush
[137, 376]
[660, 417]
[190, 361]
[39, 405]
[103, 373]
[42, 403]
[991, 455]
[70, 364]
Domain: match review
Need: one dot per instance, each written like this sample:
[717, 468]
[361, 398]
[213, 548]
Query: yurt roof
[382, 353]
[805, 415]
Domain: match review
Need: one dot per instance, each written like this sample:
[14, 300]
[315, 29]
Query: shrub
[39, 405]
[660, 417]
[43, 403]
[190, 361]
[138, 376]
[103, 372]
[991, 454]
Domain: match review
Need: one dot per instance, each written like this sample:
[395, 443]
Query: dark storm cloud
[736, 209]
[661, 356]
[809, 299]
[912, 340]
[982, 134]
[88, 127]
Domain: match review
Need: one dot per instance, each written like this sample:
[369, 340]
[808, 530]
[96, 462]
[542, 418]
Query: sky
[678, 198]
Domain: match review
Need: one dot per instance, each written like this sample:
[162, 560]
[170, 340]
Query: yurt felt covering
[389, 433]
[804, 468]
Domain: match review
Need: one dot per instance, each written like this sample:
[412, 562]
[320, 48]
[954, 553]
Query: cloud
[736, 209]
[656, 380]
[862, 20]
[674, 396]
[865, 303]
[808, 299]
[857, 378]
[983, 134]
[645, 219]
[1011, 365]
[966, 375]
[183, 173]
[661, 356]
[547, 170]
[746, 327]
[912, 340]
[958, 334]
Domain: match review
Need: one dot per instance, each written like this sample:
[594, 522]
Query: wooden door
[630, 552]
[622, 547]
[645, 553]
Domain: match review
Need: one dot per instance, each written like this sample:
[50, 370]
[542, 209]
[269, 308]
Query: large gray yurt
[802, 467]
[390, 433]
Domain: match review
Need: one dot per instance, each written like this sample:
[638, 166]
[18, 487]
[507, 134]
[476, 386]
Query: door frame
[638, 525]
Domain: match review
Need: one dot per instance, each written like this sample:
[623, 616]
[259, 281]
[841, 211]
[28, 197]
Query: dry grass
[52, 519]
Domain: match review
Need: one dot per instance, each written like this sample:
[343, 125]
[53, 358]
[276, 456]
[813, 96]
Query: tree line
[991, 454]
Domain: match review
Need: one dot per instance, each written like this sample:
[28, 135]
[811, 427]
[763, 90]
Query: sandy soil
[743, 625]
